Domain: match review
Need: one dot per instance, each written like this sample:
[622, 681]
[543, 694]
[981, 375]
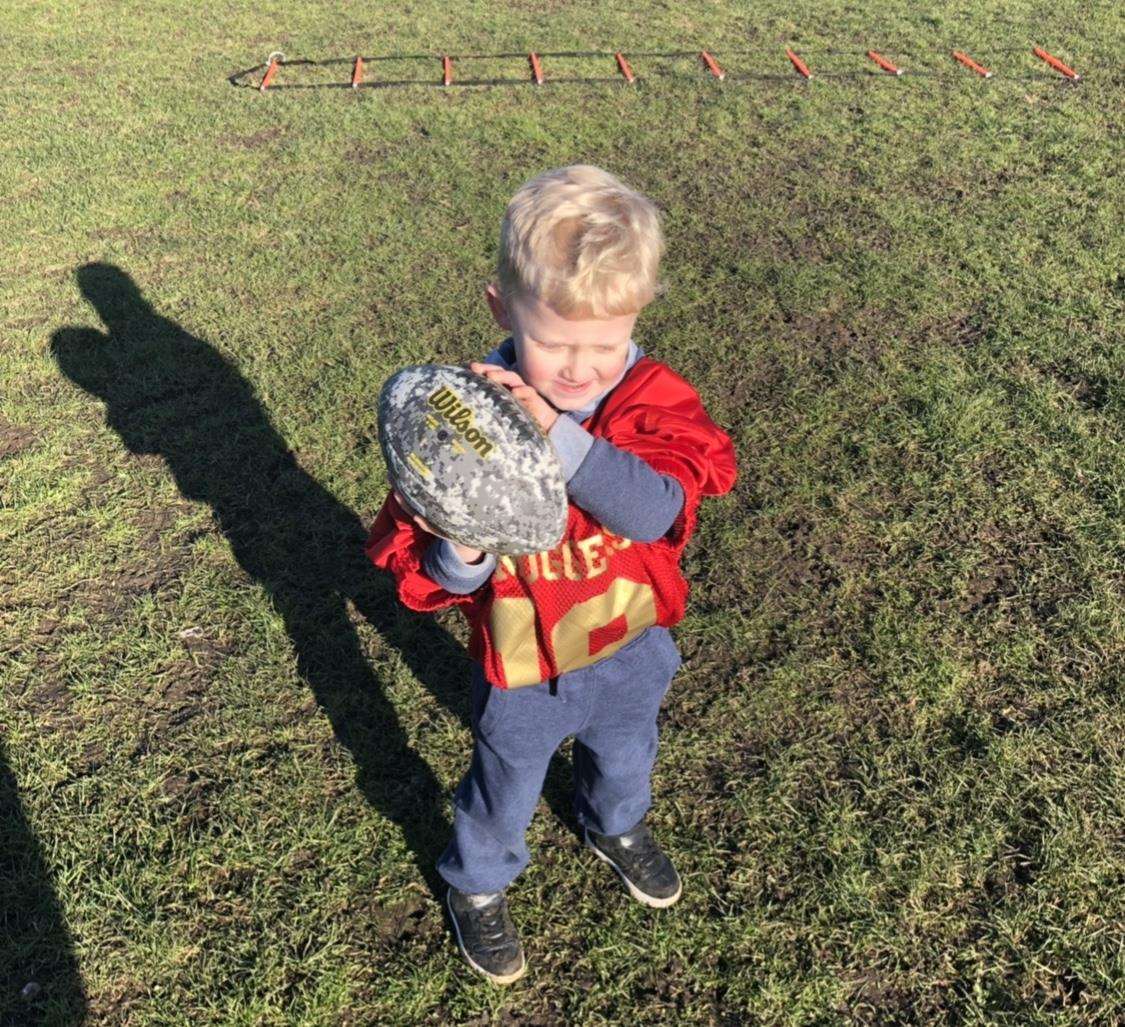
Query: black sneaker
[486, 935]
[646, 871]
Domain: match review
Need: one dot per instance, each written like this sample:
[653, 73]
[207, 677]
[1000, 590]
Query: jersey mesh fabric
[542, 615]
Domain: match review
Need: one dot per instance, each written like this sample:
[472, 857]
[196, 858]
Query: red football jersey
[542, 615]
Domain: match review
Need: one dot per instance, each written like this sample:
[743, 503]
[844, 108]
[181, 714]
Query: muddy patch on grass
[828, 344]
[760, 385]
[252, 141]
[117, 1002]
[179, 692]
[966, 331]
[117, 591]
[180, 696]
[666, 987]
[186, 684]
[46, 627]
[152, 461]
[96, 474]
[99, 475]
[393, 923]
[15, 439]
[41, 690]
[1091, 391]
[50, 703]
[994, 581]
[872, 999]
[789, 559]
[743, 761]
[157, 523]
[867, 710]
[366, 155]
[186, 789]
[124, 233]
[1015, 869]
[110, 597]
[189, 800]
[83, 72]
[1064, 990]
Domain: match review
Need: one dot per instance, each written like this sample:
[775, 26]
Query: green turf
[892, 766]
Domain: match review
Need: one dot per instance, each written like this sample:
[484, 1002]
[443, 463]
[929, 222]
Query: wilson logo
[460, 418]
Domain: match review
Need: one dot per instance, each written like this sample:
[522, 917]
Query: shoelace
[490, 922]
[645, 854]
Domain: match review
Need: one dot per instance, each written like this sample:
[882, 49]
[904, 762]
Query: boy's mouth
[572, 390]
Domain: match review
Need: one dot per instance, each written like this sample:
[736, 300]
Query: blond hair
[581, 241]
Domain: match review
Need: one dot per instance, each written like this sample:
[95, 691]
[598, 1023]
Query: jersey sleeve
[665, 425]
[396, 544]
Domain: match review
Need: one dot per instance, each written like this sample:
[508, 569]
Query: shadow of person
[170, 393]
[39, 978]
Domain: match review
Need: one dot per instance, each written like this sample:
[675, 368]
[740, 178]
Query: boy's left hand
[545, 415]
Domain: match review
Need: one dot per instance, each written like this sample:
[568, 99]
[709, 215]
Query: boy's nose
[574, 368]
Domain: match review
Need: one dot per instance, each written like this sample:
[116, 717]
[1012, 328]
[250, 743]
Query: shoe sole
[515, 975]
[644, 899]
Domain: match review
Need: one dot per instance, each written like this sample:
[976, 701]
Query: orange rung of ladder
[712, 64]
[536, 68]
[883, 63]
[801, 66]
[624, 66]
[966, 60]
[357, 72]
[1055, 63]
[446, 71]
[272, 62]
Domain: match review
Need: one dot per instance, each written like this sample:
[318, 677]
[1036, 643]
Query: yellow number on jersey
[512, 623]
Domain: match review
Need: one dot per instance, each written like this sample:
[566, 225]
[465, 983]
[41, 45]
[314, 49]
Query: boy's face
[568, 362]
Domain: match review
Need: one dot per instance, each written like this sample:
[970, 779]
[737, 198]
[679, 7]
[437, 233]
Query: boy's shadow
[170, 393]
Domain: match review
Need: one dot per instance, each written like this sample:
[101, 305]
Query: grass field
[893, 765]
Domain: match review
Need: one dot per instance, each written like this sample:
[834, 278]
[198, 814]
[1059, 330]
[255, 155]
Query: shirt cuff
[572, 442]
[442, 563]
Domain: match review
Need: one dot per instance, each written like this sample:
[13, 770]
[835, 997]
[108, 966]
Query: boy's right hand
[468, 554]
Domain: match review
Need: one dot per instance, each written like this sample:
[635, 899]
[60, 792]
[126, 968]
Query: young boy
[573, 641]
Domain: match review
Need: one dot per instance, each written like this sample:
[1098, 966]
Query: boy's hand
[545, 415]
[466, 553]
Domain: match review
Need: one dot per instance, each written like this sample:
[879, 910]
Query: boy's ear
[496, 305]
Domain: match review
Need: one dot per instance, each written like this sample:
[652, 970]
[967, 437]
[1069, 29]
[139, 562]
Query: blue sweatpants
[609, 707]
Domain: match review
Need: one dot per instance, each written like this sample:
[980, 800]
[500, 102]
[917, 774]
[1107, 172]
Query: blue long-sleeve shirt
[617, 488]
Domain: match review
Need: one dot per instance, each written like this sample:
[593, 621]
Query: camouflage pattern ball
[468, 458]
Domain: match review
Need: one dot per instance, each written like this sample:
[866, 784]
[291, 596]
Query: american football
[471, 461]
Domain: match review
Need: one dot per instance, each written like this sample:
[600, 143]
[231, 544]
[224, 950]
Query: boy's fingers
[499, 375]
[488, 369]
[529, 397]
